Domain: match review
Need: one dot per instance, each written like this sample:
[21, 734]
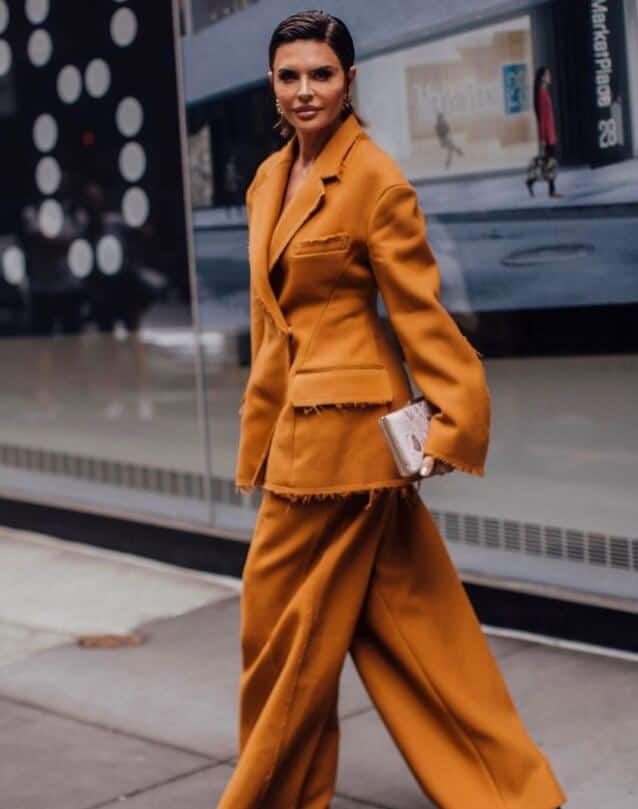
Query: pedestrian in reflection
[346, 557]
[444, 134]
[120, 294]
[57, 295]
[545, 165]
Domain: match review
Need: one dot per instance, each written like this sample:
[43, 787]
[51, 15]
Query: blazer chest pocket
[331, 243]
[341, 386]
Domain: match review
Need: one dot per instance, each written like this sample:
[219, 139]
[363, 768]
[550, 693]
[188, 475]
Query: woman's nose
[305, 90]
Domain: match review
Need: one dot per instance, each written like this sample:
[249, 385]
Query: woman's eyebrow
[284, 68]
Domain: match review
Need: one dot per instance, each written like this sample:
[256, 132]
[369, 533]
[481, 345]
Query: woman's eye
[287, 75]
[323, 74]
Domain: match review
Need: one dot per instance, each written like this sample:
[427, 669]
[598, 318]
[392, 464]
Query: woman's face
[310, 83]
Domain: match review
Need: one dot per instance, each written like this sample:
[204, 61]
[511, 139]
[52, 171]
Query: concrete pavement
[154, 726]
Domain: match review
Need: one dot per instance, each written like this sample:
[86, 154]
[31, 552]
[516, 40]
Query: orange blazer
[323, 368]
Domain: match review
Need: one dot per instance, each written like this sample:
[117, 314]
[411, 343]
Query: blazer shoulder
[375, 168]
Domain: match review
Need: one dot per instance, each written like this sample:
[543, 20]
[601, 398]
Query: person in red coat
[545, 165]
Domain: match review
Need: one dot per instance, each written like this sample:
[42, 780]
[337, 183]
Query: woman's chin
[317, 123]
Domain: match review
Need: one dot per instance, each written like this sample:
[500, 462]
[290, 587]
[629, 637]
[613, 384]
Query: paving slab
[58, 586]
[582, 709]
[174, 688]
[202, 790]
[50, 762]
[180, 687]
[20, 642]
[372, 769]
[506, 647]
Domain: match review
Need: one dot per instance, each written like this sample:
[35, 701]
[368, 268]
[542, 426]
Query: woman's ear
[270, 79]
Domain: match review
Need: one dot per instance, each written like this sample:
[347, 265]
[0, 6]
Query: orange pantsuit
[371, 576]
[345, 556]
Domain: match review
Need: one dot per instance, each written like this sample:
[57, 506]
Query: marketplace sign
[610, 140]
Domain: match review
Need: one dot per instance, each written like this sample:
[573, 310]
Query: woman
[545, 165]
[345, 556]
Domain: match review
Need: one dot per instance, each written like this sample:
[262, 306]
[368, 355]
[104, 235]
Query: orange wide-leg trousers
[372, 576]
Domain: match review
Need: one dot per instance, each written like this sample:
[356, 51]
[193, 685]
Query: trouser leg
[321, 773]
[304, 582]
[426, 664]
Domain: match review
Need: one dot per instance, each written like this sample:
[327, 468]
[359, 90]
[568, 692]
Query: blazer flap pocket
[330, 243]
[340, 386]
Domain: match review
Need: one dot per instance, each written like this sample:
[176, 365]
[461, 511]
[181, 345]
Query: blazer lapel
[304, 203]
[267, 201]
[271, 232]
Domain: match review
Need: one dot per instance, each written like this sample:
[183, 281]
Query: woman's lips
[307, 112]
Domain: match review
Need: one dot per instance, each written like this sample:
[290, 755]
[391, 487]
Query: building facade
[139, 418]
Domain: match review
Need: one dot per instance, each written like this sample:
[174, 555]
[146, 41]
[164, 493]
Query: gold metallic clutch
[405, 431]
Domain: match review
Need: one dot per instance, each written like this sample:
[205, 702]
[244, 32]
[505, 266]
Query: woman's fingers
[434, 466]
[428, 464]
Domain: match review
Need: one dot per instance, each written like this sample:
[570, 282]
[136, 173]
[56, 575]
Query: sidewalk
[154, 726]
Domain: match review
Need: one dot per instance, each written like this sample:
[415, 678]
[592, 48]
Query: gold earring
[278, 107]
[347, 103]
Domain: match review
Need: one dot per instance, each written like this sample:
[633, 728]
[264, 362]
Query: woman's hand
[246, 489]
[434, 466]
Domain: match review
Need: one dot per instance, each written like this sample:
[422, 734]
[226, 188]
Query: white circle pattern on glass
[69, 84]
[109, 255]
[123, 27]
[80, 258]
[97, 78]
[4, 16]
[129, 117]
[132, 162]
[45, 132]
[40, 47]
[51, 218]
[13, 265]
[48, 175]
[37, 11]
[135, 207]
[6, 57]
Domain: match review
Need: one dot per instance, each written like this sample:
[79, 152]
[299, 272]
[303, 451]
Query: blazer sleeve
[256, 311]
[445, 366]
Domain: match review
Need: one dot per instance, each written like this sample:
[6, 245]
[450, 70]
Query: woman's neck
[309, 144]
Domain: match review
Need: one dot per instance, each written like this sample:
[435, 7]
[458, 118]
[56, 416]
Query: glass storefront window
[95, 299]
[207, 12]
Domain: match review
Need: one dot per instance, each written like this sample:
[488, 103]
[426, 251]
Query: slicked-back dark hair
[321, 27]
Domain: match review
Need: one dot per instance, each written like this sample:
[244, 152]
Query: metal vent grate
[534, 539]
[512, 534]
[156, 480]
